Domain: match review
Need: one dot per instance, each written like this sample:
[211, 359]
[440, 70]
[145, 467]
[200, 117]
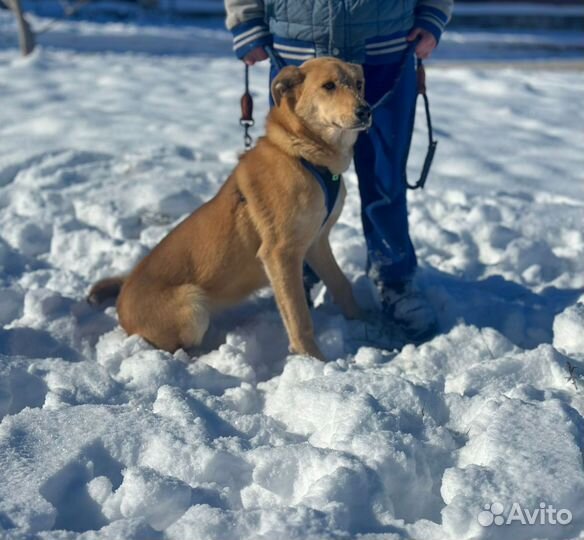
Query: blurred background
[486, 30]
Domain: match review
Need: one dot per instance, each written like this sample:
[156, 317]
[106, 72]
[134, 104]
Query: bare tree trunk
[25, 35]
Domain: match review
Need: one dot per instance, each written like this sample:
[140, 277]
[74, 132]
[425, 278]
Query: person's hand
[427, 43]
[255, 55]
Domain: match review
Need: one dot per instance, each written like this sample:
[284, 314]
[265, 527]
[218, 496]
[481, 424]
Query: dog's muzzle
[363, 115]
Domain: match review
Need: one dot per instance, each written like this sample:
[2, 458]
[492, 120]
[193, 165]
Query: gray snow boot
[408, 307]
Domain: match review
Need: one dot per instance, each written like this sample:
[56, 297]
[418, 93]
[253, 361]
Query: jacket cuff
[431, 19]
[249, 35]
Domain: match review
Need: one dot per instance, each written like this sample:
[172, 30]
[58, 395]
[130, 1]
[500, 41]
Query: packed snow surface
[103, 436]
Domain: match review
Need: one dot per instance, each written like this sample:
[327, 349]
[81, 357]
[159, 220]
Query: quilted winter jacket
[363, 31]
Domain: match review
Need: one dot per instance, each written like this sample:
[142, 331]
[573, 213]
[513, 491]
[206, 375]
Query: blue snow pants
[381, 156]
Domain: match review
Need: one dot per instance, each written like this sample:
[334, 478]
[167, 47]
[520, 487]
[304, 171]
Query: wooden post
[25, 34]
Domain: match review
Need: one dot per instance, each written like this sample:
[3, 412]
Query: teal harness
[330, 184]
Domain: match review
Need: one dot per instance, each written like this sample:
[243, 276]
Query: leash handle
[246, 120]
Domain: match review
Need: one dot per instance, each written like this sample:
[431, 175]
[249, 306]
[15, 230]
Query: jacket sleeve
[433, 15]
[246, 21]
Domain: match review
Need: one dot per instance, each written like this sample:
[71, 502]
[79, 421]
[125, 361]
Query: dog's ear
[288, 78]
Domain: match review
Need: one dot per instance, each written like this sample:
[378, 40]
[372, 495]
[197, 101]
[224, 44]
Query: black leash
[247, 120]
[421, 83]
[432, 143]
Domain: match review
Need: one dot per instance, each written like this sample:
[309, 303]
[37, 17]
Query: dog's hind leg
[193, 319]
[170, 318]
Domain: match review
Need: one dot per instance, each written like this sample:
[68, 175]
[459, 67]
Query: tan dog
[265, 221]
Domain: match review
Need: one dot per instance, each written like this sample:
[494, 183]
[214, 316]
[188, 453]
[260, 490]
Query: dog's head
[324, 92]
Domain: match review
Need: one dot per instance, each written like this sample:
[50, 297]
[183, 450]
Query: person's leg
[380, 162]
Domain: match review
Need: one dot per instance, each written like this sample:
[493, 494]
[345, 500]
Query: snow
[102, 436]
[569, 330]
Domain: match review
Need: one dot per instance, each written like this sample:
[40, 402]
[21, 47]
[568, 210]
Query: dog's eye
[329, 85]
[359, 85]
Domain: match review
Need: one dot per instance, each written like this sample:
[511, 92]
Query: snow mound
[569, 330]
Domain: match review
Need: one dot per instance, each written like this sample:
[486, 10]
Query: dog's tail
[105, 289]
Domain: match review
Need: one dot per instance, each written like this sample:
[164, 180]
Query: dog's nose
[363, 113]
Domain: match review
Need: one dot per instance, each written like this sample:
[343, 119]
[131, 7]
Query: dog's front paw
[309, 350]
